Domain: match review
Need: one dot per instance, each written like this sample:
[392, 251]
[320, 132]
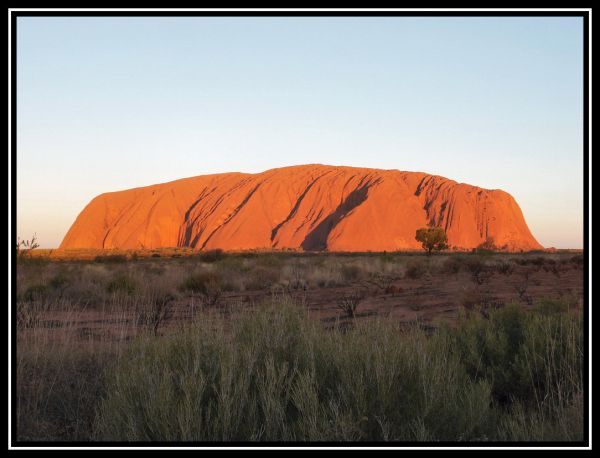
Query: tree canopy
[432, 238]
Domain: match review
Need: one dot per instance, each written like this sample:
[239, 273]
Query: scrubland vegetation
[286, 347]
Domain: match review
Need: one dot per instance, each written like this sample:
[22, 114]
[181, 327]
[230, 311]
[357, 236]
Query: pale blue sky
[112, 103]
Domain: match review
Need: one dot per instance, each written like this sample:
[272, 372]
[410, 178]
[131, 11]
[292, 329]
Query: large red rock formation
[309, 207]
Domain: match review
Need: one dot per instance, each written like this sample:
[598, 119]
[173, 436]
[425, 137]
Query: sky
[105, 104]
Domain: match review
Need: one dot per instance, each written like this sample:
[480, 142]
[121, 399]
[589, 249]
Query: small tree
[153, 310]
[432, 238]
[349, 302]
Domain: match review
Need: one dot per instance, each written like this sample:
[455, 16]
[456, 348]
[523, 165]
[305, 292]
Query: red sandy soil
[309, 207]
[429, 301]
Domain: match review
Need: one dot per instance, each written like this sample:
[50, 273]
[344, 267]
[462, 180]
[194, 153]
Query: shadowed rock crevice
[301, 207]
[296, 206]
[185, 240]
[316, 240]
[230, 217]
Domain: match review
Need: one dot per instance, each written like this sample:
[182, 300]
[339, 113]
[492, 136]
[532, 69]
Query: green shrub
[520, 261]
[505, 267]
[261, 277]
[452, 265]
[210, 256]
[348, 302]
[551, 307]
[60, 281]
[538, 261]
[197, 283]
[58, 392]
[274, 374]
[415, 268]
[577, 260]
[350, 272]
[36, 292]
[387, 257]
[121, 284]
[524, 355]
[29, 313]
[111, 258]
[278, 376]
[487, 247]
[270, 260]
[206, 284]
[470, 298]
[479, 270]
[154, 308]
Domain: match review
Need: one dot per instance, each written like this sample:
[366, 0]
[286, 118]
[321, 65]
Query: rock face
[309, 207]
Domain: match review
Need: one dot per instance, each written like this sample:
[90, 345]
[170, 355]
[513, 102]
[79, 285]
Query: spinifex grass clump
[276, 375]
[525, 356]
[205, 284]
[350, 272]
[416, 268]
[58, 391]
[210, 256]
[111, 258]
[121, 284]
[280, 376]
[29, 313]
[101, 352]
[534, 364]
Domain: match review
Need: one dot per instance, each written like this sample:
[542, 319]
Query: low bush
[470, 298]
[577, 260]
[121, 284]
[60, 281]
[505, 267]
[210, 256]
[280, 377]
[551, 306]
[262, 278]
[206, 284]
[452, 265]
[277, 376]
[111, 258]
[350, 272]
[538, 261]
[383, 282]
[480, 272]
[29, 313]
[349, 302]
[58, 391]
[154, 309]
[36, 292]
[531, 358]
[416, 268]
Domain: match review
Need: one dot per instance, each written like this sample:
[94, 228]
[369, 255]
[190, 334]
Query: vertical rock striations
[310, 207]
